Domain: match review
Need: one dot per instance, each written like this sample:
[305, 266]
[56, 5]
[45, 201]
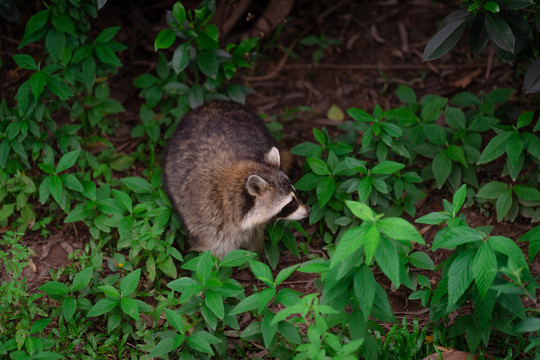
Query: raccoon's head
[272, 193]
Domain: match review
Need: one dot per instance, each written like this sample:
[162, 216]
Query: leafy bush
[510, 26]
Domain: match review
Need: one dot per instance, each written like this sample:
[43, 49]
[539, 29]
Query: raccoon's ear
[272, 157]
[256, 185]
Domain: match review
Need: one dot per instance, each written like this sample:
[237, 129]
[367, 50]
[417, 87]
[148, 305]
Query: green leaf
[509, 248]
[102, 307]
[236, 258]
[361, 211]
[318, 166]
[400, 229]
[459, 198]
[129, 283]
[529, 325]
[442, 166]
[179, 12]
[503, 204]
[455, 118]
[433, 218]
[456, 236]
[162, 348]
[492, 190]
[180, 59]
[34, 24]
[215, 303]
[55, 188]
[456, 153]
[207, 63]
[360, 115]
[532, 77]
[406, 94]
[387, 167]
[371, 242]
[82, 279]
[201, 341]
[495, 148]
[525, 119]
[123, 200]
[421, 260]
[484, 268]
[533, 237]
[499, 32]
[196, 96]
[71, 182]
[54, 289]
[69, 306]
[527, 194]
[25, 62]
[205, 266]
[262, 272]
[67, 160]
[446, 38]
[364, 289]
[387, 258]
[165, 39]
[285, 273]
[175, 320]
[129, 307]
[308, 182]
[63, 23]
[106, 55]
[78, 213]
[269, 329]
[364, 188]
[107, 34]
[307, 149]
[265, 297]
[325, 190]
[248, 304]
[109, 291]
[138, 185]
[37, 82]
[460, 276]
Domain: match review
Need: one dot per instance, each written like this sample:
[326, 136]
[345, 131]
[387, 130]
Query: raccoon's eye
[288, 209]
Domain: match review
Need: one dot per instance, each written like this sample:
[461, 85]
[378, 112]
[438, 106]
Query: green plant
[509, 26]
[321, 43]
[486, 273]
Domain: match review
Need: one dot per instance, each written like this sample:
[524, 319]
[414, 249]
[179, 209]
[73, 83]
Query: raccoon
[222, 174]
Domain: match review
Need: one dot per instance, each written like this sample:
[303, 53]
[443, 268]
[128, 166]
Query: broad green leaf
[421, 260]
[67, 161]
[175, 320]
[503, 204]
[525, 119]
[495, 148]
[106, 55]
[499, 32]
[34, 24]
[82, 279]
[364, 188]
[435, 134]
[265, 297]
[165, 39]
[460, 276]
[248, 304]
[325, 190]
[455, 118]
[527, 194]
[442, 166]
[123, 200]
[307, 149]
[69, 306]
[456, 236]
[236, 258]
[400, 229]
[54, 289]
[37, 82]
[459, 198]
[214, 302]
[360, 115]
[198, 342]
[207, 63]
[262, 272]
[269, 329]
[138, 185]
[509, 248]
[285, 273]
[129, 307]
[457, 154]
[529, 325]
[102, 307]
[492, 190]
[205, 266]
[25, 62]
[433, 218]
[107, 34]
[180, 59]
[179, 13]
[532, 77]
[514, 148]
[348, 244]
[55, 187]
[387, 258]
[387, 167]
[308, 182]
[78, 213]
[533, 237]
[406, 94]
[162, 348]
[318, 166]
[71, 182]
[364, 289]
[129, 283]
[109, 291]
[371, 242]
[361, 211]
[484, 268]
[446, 38]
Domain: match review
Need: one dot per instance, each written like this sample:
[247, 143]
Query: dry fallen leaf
[451, 354]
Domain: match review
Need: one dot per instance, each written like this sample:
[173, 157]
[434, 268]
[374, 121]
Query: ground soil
[382, 45]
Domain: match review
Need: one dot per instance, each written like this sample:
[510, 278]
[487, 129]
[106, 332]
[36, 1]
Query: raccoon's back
[220, 127]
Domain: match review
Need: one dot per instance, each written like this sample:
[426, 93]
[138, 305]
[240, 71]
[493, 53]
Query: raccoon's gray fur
[222, 174]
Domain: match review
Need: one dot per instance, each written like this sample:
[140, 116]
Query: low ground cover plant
[132, 292]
